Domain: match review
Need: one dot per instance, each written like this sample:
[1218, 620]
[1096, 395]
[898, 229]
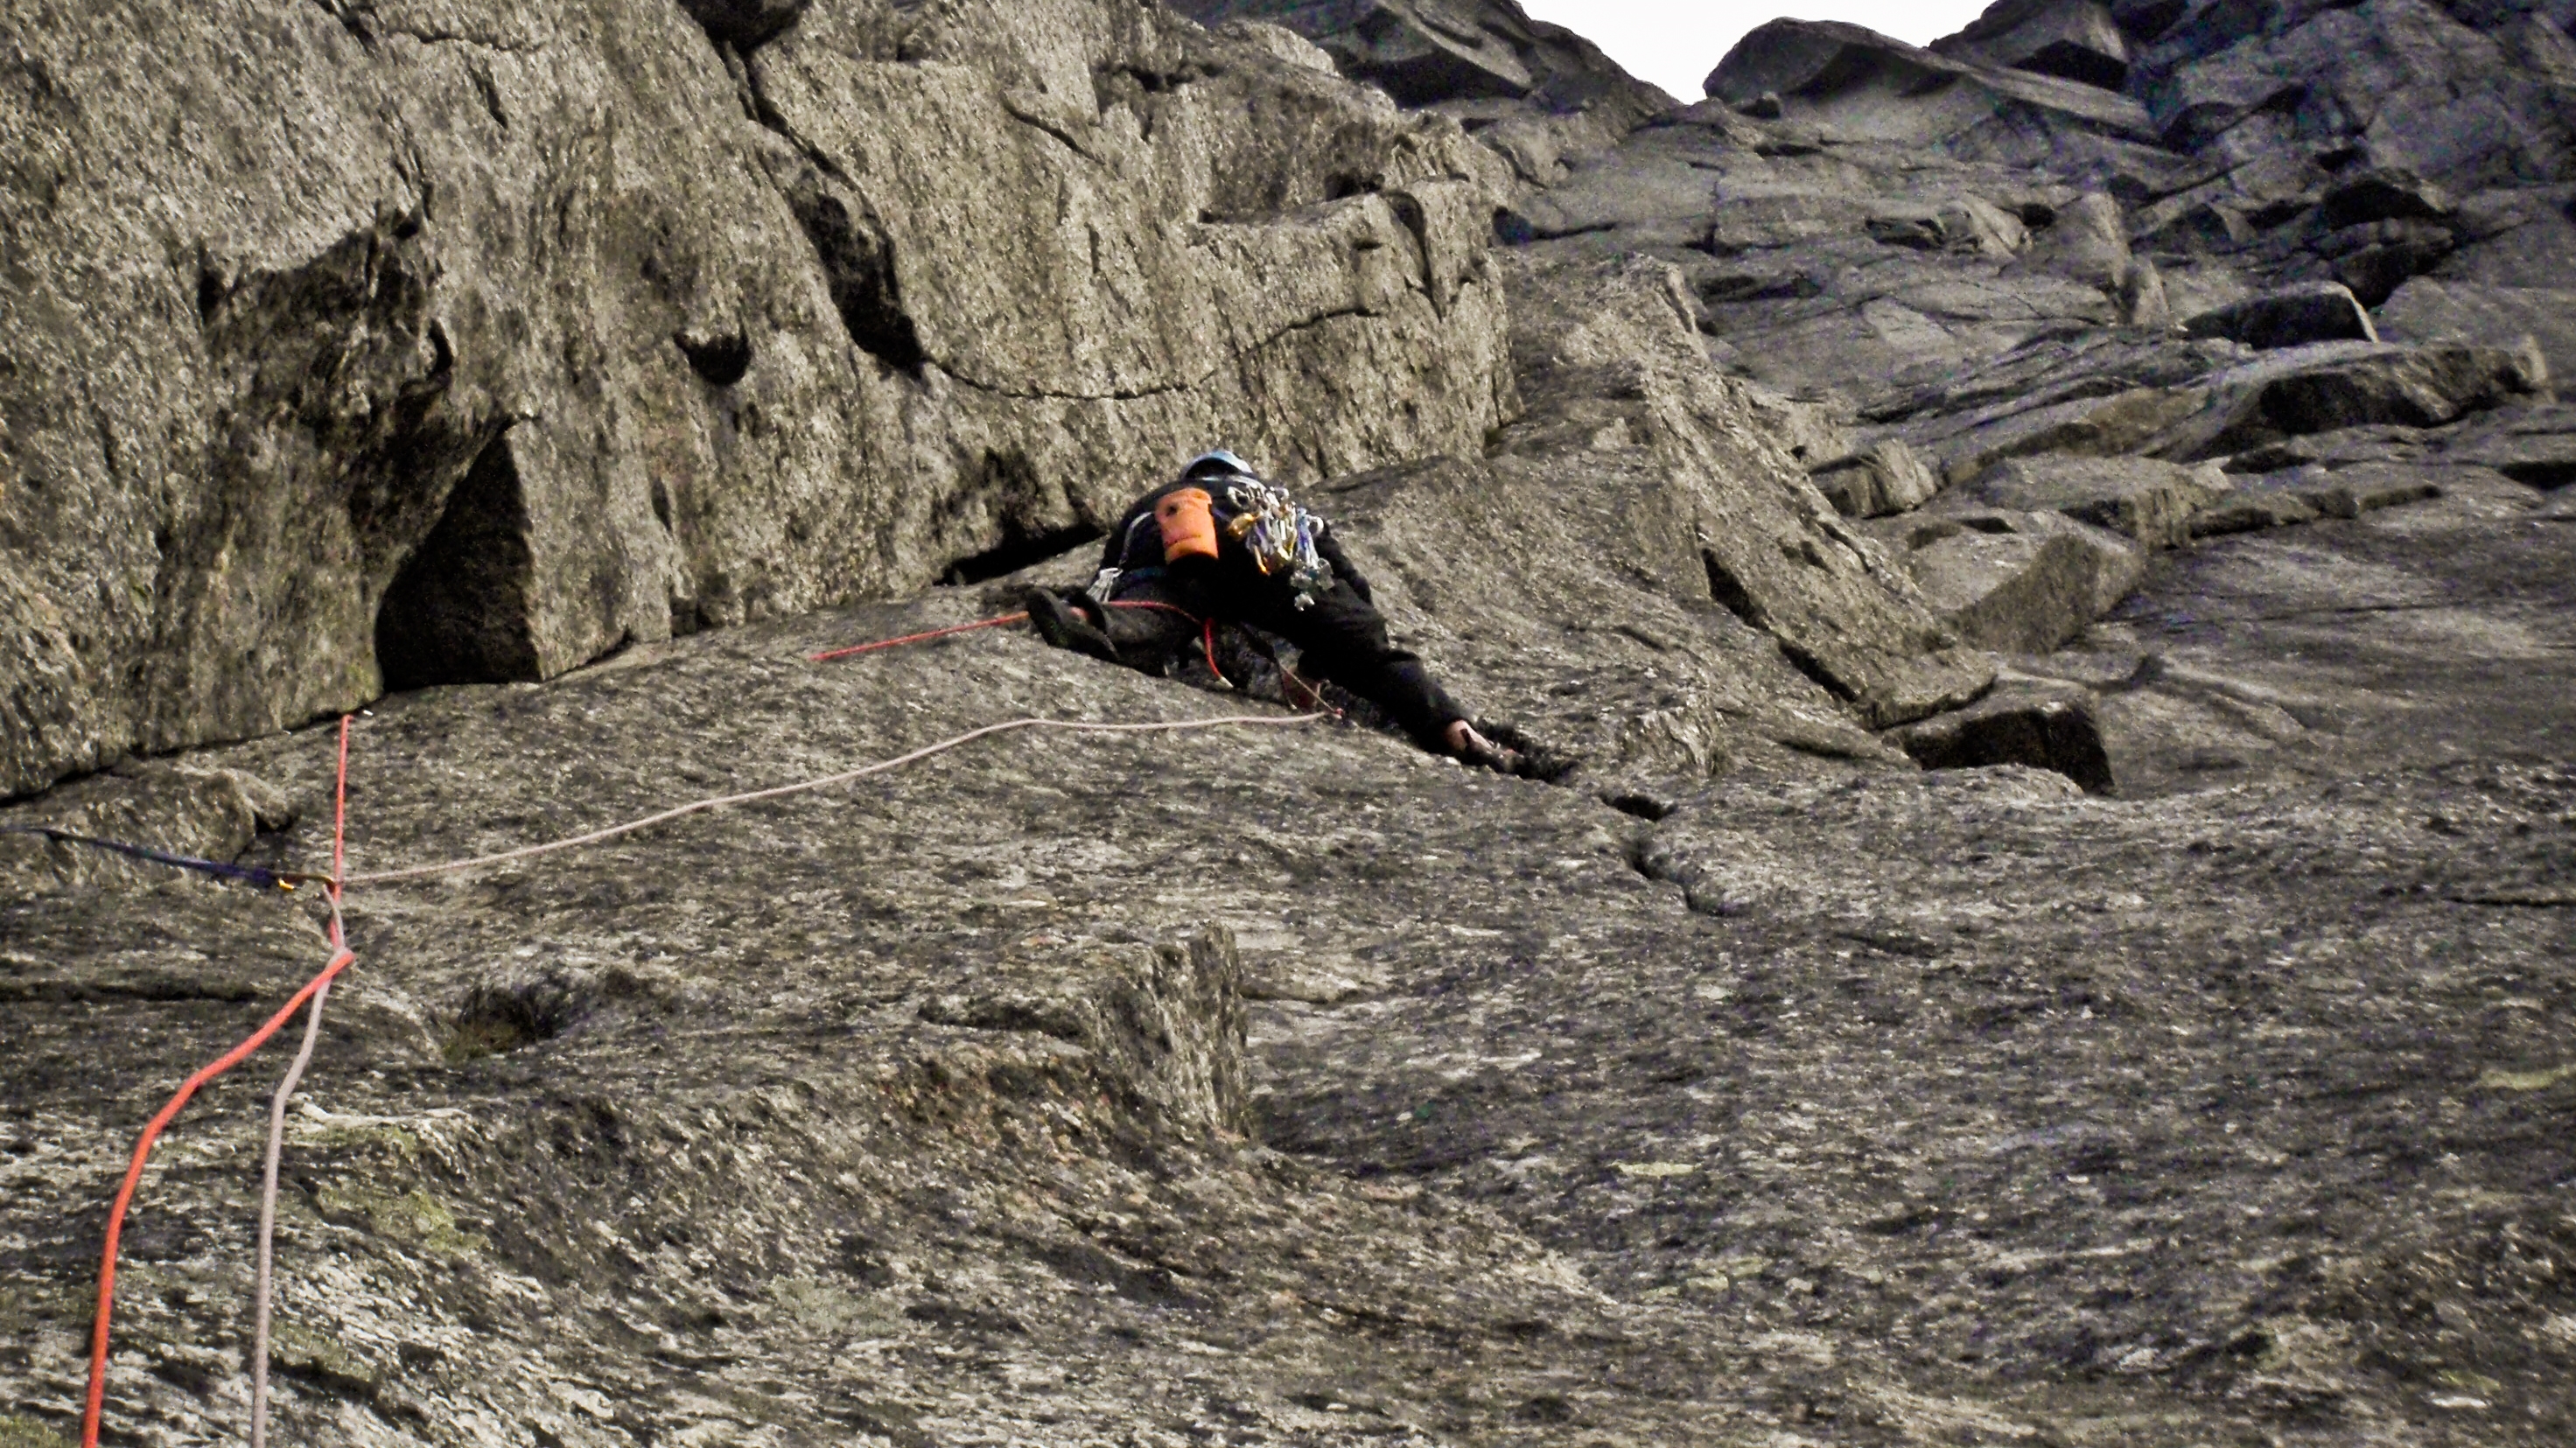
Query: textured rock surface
[2078, 41]
[1753, 1083]
[2430, 310]
[824, 1111]
[1423, 52]
[2015, 581]
[2323, 312]
[2148, 501]
[1888, 478]
[543, 330]
[2048, 728]
[1539, 95]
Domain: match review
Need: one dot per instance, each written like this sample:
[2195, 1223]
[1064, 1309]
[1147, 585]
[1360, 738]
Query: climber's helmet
[1217, 464]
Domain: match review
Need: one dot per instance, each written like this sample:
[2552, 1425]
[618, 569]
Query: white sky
[1676, 43]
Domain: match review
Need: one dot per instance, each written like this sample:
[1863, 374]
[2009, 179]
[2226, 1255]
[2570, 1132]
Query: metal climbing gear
[1279, 534]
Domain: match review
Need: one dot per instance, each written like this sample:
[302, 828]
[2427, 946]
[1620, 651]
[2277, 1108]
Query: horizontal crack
[363, 21]
[477, 42]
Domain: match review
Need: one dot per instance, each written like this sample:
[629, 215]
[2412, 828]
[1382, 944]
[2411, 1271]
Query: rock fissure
[1029, 116]
[367, 22]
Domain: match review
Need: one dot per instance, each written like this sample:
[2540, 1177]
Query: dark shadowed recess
[1035, 521]
[458, 612]
[858, 263]
[1018, 550]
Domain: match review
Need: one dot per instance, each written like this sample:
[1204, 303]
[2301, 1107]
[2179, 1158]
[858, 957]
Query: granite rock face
[2080, 41]
[1539, 95]
[2320, 312]
[542, 331]
[1426, 52]
[2054, 929]
[1979, 251]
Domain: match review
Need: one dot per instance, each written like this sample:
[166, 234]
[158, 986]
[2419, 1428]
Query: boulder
[1428, 52]
[1965, 223]
[2042, 727]
[485, 366]
[2306, 495]
[2326, 386]
[2017, 582]
[2087, 240]
[1887, 478]
[2429, 309]
[1869, 86]
[2319, 312]
[2075, 40]
[2531, 445]
[2341, 448]
[2253, 509]
[2385, 194]
[2375, 258]
[2149, 501]
[2102, 425]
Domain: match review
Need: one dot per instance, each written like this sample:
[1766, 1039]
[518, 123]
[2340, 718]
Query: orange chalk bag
[1188, 524]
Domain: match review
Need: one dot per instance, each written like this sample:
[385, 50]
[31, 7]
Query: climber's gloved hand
[1474, 748]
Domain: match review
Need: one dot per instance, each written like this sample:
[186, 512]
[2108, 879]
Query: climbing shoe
[1062, 624]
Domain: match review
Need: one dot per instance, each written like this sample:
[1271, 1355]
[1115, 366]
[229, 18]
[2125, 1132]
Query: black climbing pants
[1341, 636]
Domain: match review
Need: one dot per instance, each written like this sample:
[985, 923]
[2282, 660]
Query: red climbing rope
[341, 960]
[997, 621]
[1207, 645]
[919, 638]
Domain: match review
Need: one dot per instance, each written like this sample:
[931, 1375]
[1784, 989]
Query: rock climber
[1219, 543]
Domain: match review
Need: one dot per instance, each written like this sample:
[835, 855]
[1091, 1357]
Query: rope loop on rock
[600, 836]
[316, 990]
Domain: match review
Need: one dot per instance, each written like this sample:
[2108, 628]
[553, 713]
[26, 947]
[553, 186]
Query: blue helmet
[1218, 461]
